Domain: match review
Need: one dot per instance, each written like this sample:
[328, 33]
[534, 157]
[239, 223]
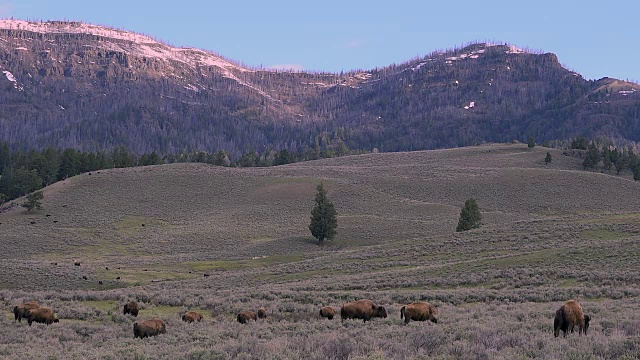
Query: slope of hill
[549, 233]
[85, 86]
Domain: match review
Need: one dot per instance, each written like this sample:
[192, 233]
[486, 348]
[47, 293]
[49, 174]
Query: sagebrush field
[549, 233]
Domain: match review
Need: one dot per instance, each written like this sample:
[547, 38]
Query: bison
[131, 308]
[362, 309]
[262, 313]
[148, 328]
[19, 311]
[328, 312]
[568, 316]
[43, 315]
[192, 316]
[245, 316]
[419, 311]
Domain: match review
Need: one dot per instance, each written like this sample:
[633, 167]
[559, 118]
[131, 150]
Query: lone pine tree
[469, 216]
[33, 201]
[323, 217]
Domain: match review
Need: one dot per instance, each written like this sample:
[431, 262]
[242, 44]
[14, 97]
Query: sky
[593, 38]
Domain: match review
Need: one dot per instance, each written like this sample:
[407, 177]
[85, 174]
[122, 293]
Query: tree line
[603, 155]
[22, 172]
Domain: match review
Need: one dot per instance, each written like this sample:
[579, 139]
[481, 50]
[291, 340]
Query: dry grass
[550, 233]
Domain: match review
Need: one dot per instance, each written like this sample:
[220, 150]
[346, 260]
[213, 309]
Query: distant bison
[43, 315]
[19, 311]
[192, 316]
[76, 263]
[262, 313]
[419, 311]
[362, 309]
[568, 316]
[131, 308]
[245, 316]
[328, 312]
[147, 328]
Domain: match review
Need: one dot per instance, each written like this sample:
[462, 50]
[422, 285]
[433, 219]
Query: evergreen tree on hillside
[323, 217]
[470, 216]
[547, 158]
[531, 143]
[592, 157]
[622, 163]
[636, 174]
[5, 156]
[34, 201]
[606, 159]
[579, 143]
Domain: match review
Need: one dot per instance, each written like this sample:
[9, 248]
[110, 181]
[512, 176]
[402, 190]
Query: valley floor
[550, 233]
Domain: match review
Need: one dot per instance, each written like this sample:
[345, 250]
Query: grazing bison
[131, 308]
[568, 316]
[192, 316]
[362, 309]
[419, 311]
[147, 328]
[19, 311]
[328, 312]
[245, 316]
[262, 313]
[43, 315]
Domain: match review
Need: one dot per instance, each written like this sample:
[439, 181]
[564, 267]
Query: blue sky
[593, 38]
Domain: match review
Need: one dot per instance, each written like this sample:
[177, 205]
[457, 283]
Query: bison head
[587, 318]
[557, 323]
[381, 312]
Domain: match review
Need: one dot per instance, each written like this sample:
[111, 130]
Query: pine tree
[323, 217]
[33, 201]
[548, 158]
[636, 174]
[469, 216]
[606, 159]
[622, 163]
[532, 143]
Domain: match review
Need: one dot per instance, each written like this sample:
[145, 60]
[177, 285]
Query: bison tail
[402, 313]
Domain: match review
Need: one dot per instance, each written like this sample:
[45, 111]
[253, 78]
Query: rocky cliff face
[86, 86]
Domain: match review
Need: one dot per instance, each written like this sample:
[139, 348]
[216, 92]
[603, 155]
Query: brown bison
[43, 315]
[19, 311]
[568, 316]
[245, 316]
[262, 313]
[419, 311]
[148, 328]
[192, 316]
[362, 309]
[328, 312]
[131, 308]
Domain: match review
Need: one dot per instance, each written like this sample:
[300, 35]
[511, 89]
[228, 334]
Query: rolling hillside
[550, 233]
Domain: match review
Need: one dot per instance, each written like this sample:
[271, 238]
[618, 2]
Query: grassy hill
[550, 233]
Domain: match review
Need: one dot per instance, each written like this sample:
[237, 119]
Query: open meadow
[221, 240]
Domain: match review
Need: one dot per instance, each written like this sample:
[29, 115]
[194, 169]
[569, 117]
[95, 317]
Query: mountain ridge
[92, 87]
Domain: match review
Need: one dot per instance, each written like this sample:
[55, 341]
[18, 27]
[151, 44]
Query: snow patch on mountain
[9, 76]
[13, 79]
[135, 45]
[72, 27]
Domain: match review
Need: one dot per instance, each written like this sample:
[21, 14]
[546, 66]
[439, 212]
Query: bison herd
[32, 311]
[566, 318]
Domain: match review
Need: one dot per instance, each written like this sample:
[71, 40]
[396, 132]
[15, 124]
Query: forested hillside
[68, 84]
